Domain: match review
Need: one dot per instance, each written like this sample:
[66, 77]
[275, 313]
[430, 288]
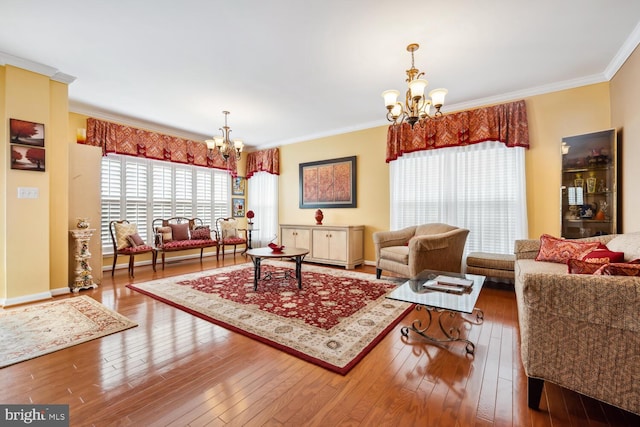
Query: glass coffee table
[446, 304]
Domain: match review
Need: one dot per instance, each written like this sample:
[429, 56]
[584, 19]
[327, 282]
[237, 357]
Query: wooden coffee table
[258, 254]
[446, 304]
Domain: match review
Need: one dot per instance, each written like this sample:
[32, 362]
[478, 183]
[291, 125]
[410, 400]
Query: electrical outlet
[28, 192]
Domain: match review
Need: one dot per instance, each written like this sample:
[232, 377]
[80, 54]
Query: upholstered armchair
[411, 250]
[230, 234]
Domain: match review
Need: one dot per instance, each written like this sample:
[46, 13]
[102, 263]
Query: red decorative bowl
[276, 248]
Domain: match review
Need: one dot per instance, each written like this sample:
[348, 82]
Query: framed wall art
[27, 133]
[237, 207]
[27, 158]
[328, 183]
[237, 185]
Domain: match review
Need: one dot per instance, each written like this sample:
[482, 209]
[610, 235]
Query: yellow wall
[84, 195]
[625, 114]
[372, 211]
[4, 154]
[34, 230]
[551, 117]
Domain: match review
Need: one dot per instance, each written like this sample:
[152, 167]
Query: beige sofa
[411, 250]
[581, 332]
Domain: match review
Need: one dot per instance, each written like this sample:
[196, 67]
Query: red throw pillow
[577, 266]
[201, 233]
[553, 249]
[619, 269]
[603, 256]
[135, 240]
[180, 231]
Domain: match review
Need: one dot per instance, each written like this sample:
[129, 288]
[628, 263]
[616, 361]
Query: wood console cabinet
[328, 244]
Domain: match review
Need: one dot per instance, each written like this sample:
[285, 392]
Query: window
[140, 190]
[263, 200]
[480, 187]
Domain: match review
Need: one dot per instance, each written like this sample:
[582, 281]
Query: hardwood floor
[175, 369]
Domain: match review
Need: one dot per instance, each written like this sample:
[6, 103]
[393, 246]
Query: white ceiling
[291, 70]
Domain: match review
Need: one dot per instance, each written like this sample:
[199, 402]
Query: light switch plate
[28, 193]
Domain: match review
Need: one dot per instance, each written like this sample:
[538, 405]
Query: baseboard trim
[24, 299]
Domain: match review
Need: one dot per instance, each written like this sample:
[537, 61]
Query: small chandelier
[416, 105]
[223, 144]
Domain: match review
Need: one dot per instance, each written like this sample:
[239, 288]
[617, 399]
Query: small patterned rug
[35, 330]
[333, 321]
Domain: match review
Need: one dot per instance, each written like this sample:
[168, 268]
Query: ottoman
[498, 266]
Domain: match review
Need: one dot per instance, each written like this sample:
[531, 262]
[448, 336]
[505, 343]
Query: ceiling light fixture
[223, 144]
[416, 105]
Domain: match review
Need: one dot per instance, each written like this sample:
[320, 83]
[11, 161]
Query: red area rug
[333, 321]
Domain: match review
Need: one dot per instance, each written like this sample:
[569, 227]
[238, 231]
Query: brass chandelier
[223, 144]
[416, 105]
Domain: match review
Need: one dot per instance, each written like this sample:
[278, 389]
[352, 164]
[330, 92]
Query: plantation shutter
[204, 196]
[183, 192]
[221, 190]
[162, 191]
[136, 211]
[110, 184]
[141, 190]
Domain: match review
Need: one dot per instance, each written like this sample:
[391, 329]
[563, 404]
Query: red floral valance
[263, 161]
[122, 139]
[506, 123]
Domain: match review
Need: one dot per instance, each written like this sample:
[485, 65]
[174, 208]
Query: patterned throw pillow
[180, 231]
[124, 230]
[619, 269]
[228, 229]
[553, 249]
[577, 266]
[166, 234]
[135, 240]
[603, 256]
[201, 233]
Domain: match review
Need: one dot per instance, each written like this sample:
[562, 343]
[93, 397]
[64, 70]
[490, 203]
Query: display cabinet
[589, 191]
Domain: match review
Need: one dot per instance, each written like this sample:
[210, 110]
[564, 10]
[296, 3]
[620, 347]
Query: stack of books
[456, 285]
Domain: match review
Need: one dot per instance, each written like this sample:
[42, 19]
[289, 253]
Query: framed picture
[328, 183]
[27, 133]
[237, 186]
[27, 158]
[237, 207]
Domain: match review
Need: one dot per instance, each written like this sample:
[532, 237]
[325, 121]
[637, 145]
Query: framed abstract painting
[328, 183]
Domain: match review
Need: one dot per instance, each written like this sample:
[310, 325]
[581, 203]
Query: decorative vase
[319, 217]
[82, 223]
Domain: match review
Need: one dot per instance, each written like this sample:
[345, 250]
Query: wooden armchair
[230, 235]
[127, 241]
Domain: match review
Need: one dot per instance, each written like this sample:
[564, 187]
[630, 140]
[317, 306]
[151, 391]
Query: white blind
[110, 183]
[140, 190]
[480, 187]
[263, 201]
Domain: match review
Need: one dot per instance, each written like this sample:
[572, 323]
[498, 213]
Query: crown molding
[36, 67]
[623, 53]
